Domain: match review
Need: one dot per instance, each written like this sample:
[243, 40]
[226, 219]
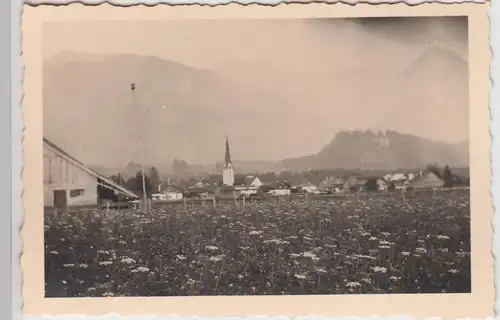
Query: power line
[141, 147]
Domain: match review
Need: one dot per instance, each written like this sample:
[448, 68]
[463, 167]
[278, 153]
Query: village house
[376, 184]
[280, 188]
[397, 181]
[308, 187]
[355, 184]
[253, 182]
[332, 185]
[158, 197]
[199, 190]
[247, 185]
[248, 182]
[399, 176]
[68, 182]
[428, 180]
[200, 184]
[171, 192]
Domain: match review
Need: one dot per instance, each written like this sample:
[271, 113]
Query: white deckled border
[243, 2]
[495, 151]
[115, 316]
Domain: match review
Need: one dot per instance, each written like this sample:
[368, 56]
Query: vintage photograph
[318, 156]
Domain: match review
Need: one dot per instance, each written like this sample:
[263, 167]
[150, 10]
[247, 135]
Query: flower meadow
[375, 244]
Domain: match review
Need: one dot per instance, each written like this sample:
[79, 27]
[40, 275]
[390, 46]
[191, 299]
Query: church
[228, 170]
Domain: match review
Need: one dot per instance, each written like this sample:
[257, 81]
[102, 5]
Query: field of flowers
[297, 246]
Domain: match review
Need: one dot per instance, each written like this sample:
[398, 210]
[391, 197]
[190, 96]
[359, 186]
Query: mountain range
[349, 150]
[181, 112]
[381, 151]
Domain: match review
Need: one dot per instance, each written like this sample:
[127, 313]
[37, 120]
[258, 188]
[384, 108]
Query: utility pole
[141, 147]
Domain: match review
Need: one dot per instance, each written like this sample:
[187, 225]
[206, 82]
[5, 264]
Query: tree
[371, 185]
[391, 187]
[448, 177]
[135, 184]
[180, 167]
[154, 178]
[117, 178]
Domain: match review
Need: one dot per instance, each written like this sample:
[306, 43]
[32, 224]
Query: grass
[297, 246]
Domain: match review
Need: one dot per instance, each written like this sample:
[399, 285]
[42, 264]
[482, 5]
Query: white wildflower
[362, 256]
[128, 260]
[141, 269]
[215, 259]
[308, 254]
[320, 270]
[386, 243]
[354, 284]
[379, 269]
[421, 250]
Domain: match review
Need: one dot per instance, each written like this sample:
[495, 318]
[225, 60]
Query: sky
[346, 72]
[206, 43]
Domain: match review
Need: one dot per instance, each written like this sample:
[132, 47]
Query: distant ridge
[381, 150]
[366, 150]
[185, 112]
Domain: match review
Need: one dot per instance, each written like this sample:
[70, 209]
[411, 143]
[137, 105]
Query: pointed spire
[227, 159]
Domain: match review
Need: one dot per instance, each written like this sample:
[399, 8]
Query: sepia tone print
[256, 157]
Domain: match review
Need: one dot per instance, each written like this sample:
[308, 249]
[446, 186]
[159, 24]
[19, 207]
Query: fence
[192, 202]
[243, 200]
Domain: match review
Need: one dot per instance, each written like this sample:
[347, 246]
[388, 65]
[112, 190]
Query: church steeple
[227, 159]
[228, 171]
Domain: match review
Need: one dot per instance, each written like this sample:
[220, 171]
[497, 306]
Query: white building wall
[256, 182]
[228, 176]
[382, 185]
[280, 192]
[61, 174]
[174, 196]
